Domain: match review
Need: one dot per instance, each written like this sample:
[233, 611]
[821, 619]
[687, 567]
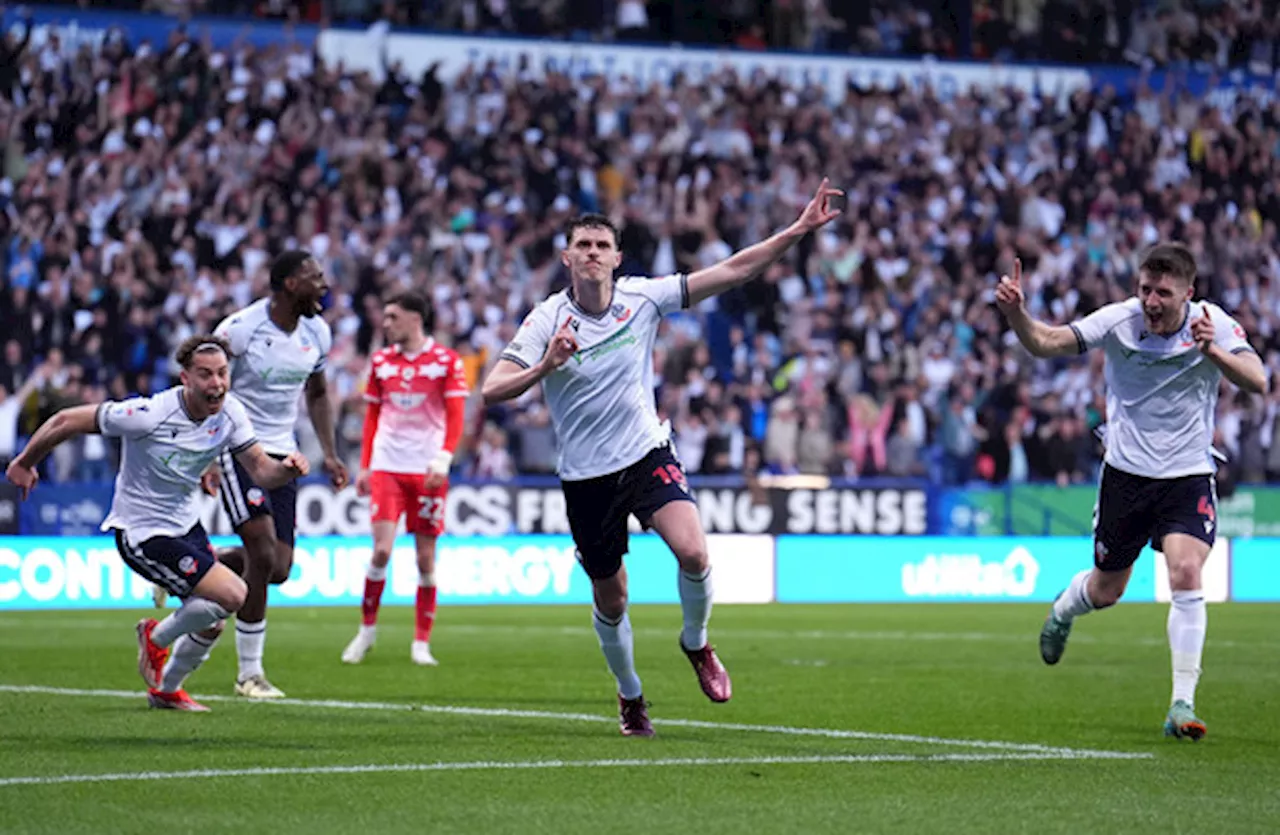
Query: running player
[416, 397]
[168, 442]
[591, 347]
[1165, 356]
[278, 347]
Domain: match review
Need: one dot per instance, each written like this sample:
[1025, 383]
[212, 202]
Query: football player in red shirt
[416, 398]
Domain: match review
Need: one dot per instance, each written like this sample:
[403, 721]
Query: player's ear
[564, 256]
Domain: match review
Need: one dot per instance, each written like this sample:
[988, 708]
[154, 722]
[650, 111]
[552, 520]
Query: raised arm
[1041, 339]
[749, 263]
[1230, 351]
[508, 379]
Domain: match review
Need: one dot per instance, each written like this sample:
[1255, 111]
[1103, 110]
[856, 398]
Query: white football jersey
[164, 451]
[1162, 392]
[601, 400]
[269, 369]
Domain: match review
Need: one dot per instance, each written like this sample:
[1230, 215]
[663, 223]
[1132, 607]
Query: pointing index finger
[1017, 271]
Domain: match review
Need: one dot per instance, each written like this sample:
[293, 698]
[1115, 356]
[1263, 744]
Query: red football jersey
[412, 392]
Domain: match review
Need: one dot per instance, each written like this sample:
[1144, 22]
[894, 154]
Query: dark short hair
[286, 265]
[592, 221]
[199, 344]
[415, 302]
[1171, 259]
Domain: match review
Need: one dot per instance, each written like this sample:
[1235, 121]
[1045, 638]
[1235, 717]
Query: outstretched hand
[1009, 295]
[827, 205]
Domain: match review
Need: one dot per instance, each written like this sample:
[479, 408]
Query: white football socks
[189, 652]
[618, 645]
[1075, 600]
[250, 638]
[1188, 622]
[196, 614]
[695, 603]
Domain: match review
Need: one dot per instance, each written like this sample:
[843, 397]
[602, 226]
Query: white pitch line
[138, 776]
[506, 713]
[838, 635]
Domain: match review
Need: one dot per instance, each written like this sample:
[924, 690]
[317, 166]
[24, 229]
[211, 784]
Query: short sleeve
[1227, 332]
[455, 385]
[324, 343]
[242, 435]
[236, 331]
[1091, 331]
[670, 293]
[532, 338]
[130, 418]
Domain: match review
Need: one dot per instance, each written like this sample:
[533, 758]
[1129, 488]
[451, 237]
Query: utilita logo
[966, 575]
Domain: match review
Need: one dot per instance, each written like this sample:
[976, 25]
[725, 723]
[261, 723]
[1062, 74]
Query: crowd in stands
[143, 193]
[1163, 33]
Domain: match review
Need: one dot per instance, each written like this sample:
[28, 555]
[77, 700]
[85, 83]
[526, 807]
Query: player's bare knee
[694, 558]
[381, 556]
[233, 594]
[1105, 594]
[281, 567]
[1184, 575]
[610, 596]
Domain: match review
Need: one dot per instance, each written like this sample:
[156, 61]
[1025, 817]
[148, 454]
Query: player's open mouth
[216, 399]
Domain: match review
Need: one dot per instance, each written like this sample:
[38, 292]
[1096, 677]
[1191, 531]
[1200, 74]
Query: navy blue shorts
[176, 564]
[245, 500]
[598, 508]
[1133, 510]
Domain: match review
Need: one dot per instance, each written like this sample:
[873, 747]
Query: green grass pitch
[911, 718]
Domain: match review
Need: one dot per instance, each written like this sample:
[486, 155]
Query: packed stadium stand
[145, 188]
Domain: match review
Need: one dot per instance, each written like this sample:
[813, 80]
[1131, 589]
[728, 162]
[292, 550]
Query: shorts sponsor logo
[255, 496]
[187, 565]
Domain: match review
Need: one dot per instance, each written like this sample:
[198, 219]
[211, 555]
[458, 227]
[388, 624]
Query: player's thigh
[425, 507]
[386, 498]
[176, 564]
[223, 586]
[597, 511]
[283, 501]
[662, 501]
[249, 508]
[1122, 522]
[1186, 528]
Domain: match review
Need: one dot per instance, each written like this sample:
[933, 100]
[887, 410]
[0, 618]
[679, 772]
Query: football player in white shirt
[278, 350]
[591, 348]
[1165, 357]
[168, 442]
